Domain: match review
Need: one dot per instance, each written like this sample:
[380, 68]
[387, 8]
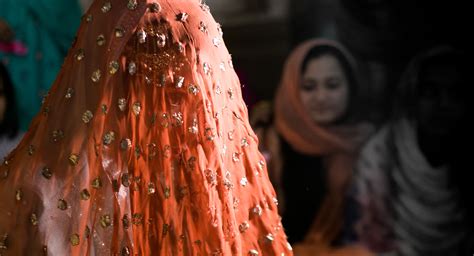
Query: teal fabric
[47, 28]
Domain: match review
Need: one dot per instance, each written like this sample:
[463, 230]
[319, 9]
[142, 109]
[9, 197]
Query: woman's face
[325, 90]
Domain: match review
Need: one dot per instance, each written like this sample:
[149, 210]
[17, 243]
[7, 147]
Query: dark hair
[406, 94]
[352, 111]
[9, 126]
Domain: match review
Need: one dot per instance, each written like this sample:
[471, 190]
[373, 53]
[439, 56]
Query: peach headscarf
[338, 145]
[143, 146]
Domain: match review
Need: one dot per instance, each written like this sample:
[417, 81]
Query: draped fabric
[143, 146]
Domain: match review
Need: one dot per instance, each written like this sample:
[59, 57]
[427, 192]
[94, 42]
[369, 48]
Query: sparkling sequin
[69, 93]
[206, 68]
[141, 36]
[160, 40]
[113, 67]
[57, 135]
[31, 150]
[19, 195]
[74, 239]
[253, 252]
[270, 238]
[136, 108]
[105, 221]
[193, 89]
[219, 30]
[230, 93]
[85, 195]
[100, 40]
[87, 116]
[125, 251]
[96, 183]
[165, 230]
[125, 180]
[205, 7]
[236, 157]
[179, 82]
[119, 32]
[177, 119]
[180, 47]
[125, 144]
[132, 4]
[104, 109]
[194, 127]
[183, 17]
[62, 204]
[151, 188]
[122, 104]
[34, 219]
[230, 135]
[47, 173]
[106, 7]
[244, 142]
[137, 219]
[73, 159]
[89, 17]
[275, 200]
[167, 192]
[125, 222]
[108, 138]
[203, 27]
[79, 54]
[216, 42]
[244, 227]
[132, 68]
[96, 76]
[244, 181]
[222, 66]
[261, 165]
[257, 210]
[154, 7]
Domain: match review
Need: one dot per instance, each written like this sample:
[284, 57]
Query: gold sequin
[113, 67]
[85, 195]
[257, 210]
[105, 221]
[177, 119]
[69, 93]
[96, 75]
[89, 17]
[47, 173]
[132, 4]
[73, 159]
[62, 204]
[57, 135]
[4, 242]
[244, 142]
[31, 150]
[167, 192]
[79, 54]
[141, 36]
[244, 181]
[137, 219]
[160, 40]
[206, 68]
[236, 157]
[125, 251]
[269, 238]
[97, 183]
[74, 239]
[125, 144]
[253, 252]
[230, 93]
[106, 7]
[193, 89]
[100, 40]
[125, 179]
[125, 222]
[34, 219]
[137, 107]
[151, 188]
[87, 116]
[183, 17]
[194, 127]
[109, 137]
[122, 104]
[119, 32]
[132, 68]
[244, 226]
[203, 27]
[179, 82]
[104, 109]
[154, 7]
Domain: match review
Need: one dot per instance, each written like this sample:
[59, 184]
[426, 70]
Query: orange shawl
[143, 146]
[338, 145]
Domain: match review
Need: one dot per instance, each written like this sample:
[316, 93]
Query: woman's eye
[333, 85]
[308, 86]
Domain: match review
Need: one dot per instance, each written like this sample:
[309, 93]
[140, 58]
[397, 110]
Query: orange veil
[143, 146]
